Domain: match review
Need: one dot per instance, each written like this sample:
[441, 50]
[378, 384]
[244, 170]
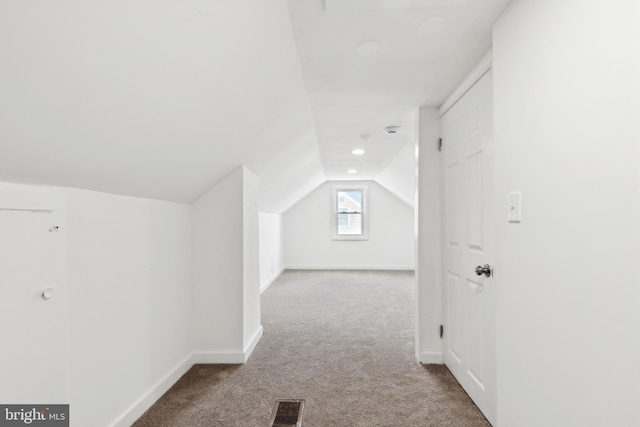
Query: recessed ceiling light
[358, 151]
[432, 26]
[392, 130]
[368, 48]
[352, 171]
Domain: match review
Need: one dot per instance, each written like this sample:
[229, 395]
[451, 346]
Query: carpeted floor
[341, 340]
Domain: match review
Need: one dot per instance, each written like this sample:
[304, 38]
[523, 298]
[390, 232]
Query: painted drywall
[135, 318]
[33, 258]
[307, 233]
[567, 84]
[129, 299]
[217, 267]
[251, 327]
[226, 282]
[293, 173]
[429, 239]
[399, 176]
[271, 247]
[172, 96]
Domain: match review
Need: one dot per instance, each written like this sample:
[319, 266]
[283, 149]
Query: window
[349, 216]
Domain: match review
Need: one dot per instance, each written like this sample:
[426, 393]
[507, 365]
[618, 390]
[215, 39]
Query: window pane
[350, 215]
[350, 201]
[349, 224]
[349, 212]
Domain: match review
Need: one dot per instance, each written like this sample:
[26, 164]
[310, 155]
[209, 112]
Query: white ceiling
[156, 99]
[353, 95]
[163, 99]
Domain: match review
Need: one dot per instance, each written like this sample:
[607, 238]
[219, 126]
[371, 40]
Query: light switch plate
[515, 207]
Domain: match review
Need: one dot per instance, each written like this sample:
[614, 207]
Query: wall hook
[54, 228]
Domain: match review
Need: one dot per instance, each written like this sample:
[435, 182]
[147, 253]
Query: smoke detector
[392, 130]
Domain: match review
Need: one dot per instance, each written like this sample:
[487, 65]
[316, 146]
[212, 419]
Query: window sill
[348, 238]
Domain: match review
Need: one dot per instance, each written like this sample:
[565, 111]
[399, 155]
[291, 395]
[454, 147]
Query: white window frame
[364, 215]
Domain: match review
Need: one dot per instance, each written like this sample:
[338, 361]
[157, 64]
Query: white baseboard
[138, 408]
[431, 358]
[253, 343]
[270, 281]
[218, 357]
[150, 397]
[350, 267]
[229, 357]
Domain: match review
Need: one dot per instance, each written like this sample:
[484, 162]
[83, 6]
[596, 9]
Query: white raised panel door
[469, 299]
[33, 333]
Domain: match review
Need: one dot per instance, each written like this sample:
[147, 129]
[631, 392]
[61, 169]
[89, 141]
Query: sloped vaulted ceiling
[157, 99]
[164, 98]
[370, 64]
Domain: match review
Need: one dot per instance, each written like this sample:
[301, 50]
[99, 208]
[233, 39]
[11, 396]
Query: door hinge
[441, 331]
[439, 144]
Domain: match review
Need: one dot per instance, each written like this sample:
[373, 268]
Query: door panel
[469, 299]
[453, 205]
[34, 347]
[454, 333]
[475, 211]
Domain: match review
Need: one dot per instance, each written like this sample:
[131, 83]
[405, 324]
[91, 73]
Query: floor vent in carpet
[287, 413]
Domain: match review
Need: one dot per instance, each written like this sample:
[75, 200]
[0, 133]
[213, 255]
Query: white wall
[399, 176]
[252, 328]
[217, 267]
[271, 247]
[135, 316]
[172, 95]
[429, 239]
[290, 174]
[33, 257]
[307, 233]
[226, 269]
[129, 300]
[566, 117]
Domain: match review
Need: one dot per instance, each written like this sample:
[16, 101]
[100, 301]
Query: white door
[32, 328]
[469, 299]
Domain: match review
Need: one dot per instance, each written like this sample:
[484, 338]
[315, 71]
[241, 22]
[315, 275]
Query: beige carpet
[341, 340]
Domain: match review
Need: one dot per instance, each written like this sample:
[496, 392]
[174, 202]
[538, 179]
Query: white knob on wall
[47, 294]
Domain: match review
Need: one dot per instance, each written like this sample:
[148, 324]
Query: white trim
[364, 212]
[431, 358]
[36, 199]
[271, 280]
[350, 267]
[474, 76]
[255, 339]
[218, 357]
[136, 410]
[229, 357]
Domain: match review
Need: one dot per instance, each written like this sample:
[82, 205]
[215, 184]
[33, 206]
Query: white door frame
[469, 298]
[430, 241]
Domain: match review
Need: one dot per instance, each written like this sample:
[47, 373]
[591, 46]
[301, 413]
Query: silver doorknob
[486, 270]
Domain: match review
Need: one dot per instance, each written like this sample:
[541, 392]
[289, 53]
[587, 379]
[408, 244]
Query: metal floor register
[287, 413]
